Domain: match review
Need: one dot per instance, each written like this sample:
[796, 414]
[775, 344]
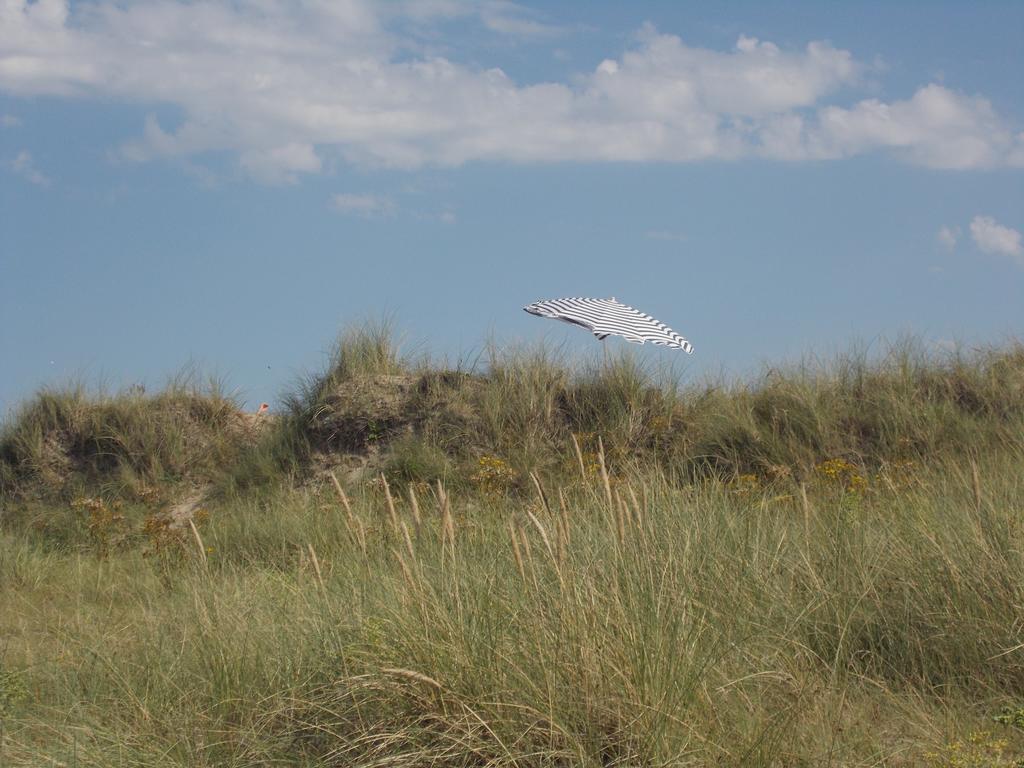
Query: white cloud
[280, 164]
[292, 89]
[502, 17]
[665, 77]
[24, 166]
[936, 127]
[947, 237]
[9, 121]
[446, 216]
[991, 237]
[364, 206]
[514, 20]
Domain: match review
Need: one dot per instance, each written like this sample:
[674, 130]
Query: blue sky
[230, 184]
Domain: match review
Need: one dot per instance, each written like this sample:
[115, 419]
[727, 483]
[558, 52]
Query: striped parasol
[607, 317]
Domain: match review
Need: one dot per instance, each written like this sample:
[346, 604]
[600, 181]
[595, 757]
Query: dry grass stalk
[563, 511]
[360, 534]
[528, 551]
[555, 560]
[636, 506]
[621, 516]
[540, 492]
[525, 540]
[604, 472]
[408, 541]
[976, 483]
[579, 456]
[543, 534]
[447, 522]
[561, 532]
[806, 505]
[392, 514]
[628, 516]
[342, 496]
[354, 524]
[562, 543]
[516, 552]
[316, 567]
[889, 483]
[409, 674]
[415, 507]
[406, 572]
[199, 542]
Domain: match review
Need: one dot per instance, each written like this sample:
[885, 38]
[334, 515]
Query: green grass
[820, 567]
[717, 624]
[67, 439]
[525, 405]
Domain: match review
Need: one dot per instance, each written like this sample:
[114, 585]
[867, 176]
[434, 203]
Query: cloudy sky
[230, 183]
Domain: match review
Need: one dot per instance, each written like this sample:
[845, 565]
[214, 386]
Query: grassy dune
[532, 566]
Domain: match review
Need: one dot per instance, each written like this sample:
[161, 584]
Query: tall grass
[542, 564]
[525, 405]
[337, 409]
[725, 624]
[66, 438]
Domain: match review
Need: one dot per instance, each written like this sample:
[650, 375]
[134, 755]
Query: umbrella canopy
[606, 317]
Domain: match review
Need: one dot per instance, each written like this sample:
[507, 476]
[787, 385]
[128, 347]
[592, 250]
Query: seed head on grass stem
[604, 472]
[392, 514]
[199, 543]
[316, 568]
[516, 553]
[415, 506]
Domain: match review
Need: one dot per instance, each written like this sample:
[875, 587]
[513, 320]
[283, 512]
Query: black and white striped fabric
[605, 317]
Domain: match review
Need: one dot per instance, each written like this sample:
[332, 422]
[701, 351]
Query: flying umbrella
[605, 317]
